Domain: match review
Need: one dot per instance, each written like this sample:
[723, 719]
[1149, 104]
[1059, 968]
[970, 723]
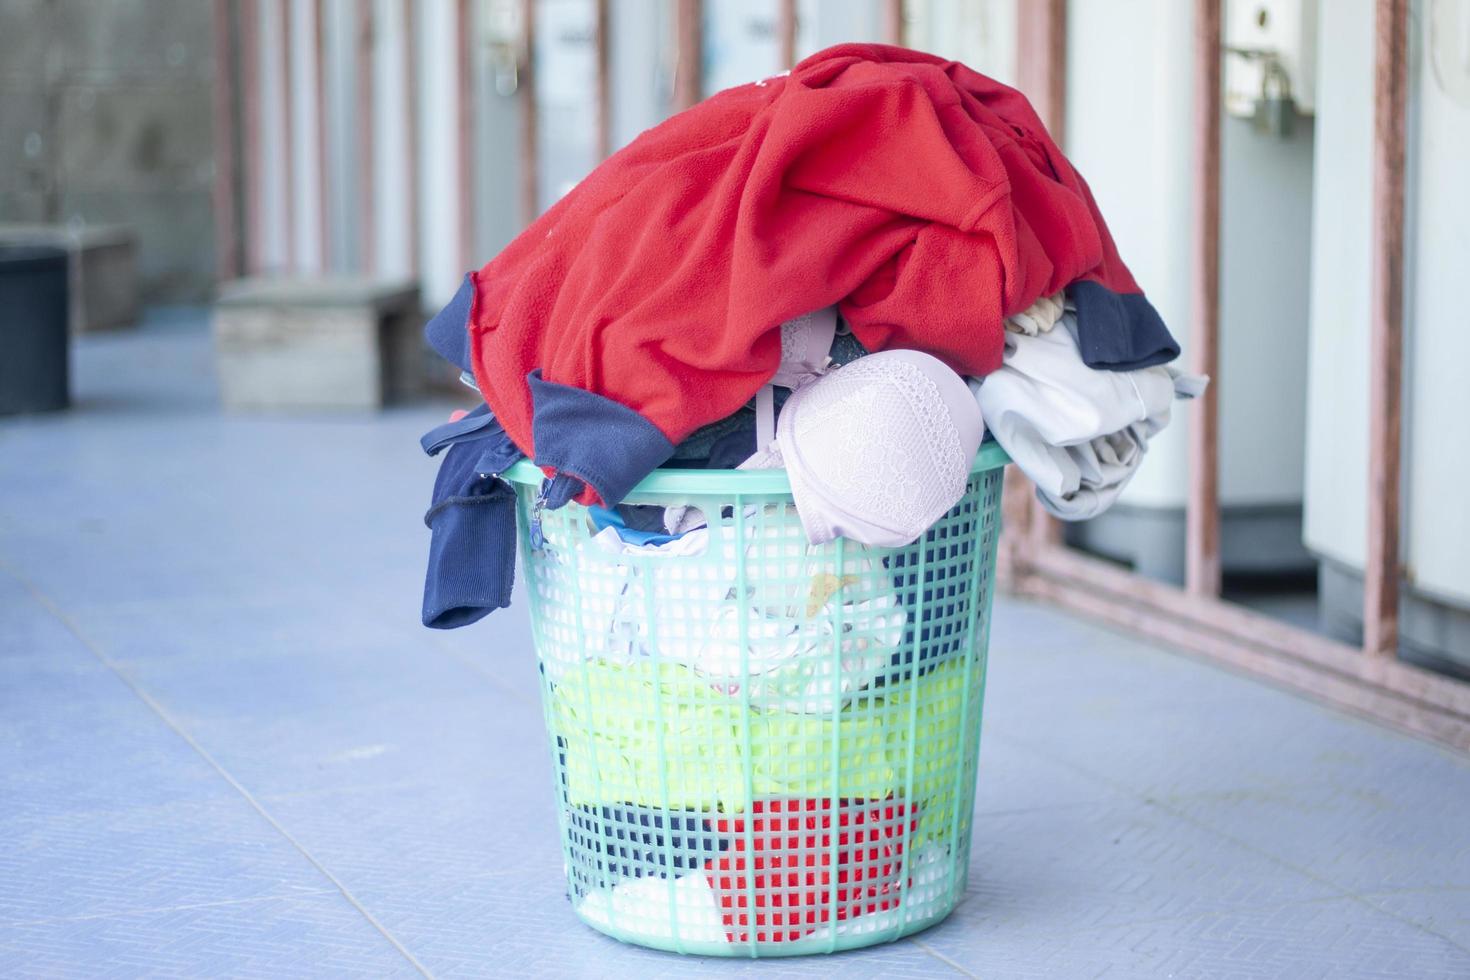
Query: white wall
[1265, 266]
[740, 42]
[437, 146]
[641, 65]
[566, 86]
[980, 33]
[1437, 396]
[274, 245]
[307, 193]
[392, 142]
[1337, 381]
[342, 194]
[823, 23]
[495, 173]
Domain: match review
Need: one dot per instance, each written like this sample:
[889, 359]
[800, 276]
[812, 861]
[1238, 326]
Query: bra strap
[765, 416]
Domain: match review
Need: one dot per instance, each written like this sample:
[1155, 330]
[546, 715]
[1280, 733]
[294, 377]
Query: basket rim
[696, 481]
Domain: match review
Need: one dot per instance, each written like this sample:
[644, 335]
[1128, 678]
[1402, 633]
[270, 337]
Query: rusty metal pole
[464, 139]
[893, 22]
[411, 131]
[786, 32]
[1041, 61]
[1202, 515]
[530, 157]
[367, 193]
[1381, 574]
[1041, 57]
[689, 42]
[603, 54]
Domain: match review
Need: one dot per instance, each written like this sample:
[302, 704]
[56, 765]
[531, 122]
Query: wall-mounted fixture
[504, 34]
[1270, 74]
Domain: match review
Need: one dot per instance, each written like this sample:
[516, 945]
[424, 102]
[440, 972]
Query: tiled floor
[228, 748]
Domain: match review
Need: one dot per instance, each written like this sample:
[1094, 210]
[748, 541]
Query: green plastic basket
[761, 747]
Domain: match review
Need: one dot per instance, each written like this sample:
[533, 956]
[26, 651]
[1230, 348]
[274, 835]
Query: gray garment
[1078, 433]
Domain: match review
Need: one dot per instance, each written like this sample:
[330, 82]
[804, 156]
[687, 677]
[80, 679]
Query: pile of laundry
[856, 271]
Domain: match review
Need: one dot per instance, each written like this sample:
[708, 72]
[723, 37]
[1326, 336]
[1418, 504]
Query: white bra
[877, 450]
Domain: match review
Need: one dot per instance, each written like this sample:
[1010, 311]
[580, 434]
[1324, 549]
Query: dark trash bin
[33, 329]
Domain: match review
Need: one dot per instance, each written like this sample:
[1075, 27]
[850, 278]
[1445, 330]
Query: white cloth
[1077, 433]
[877, 450]
[695, 617]
[641, 907]
[681, 517]
[930, 887]
[1037, 318]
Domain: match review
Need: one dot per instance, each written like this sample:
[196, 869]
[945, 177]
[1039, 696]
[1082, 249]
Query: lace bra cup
[879, 449]
[806, 342]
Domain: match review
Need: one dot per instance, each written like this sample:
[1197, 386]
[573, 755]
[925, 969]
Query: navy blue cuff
[448, 332]
[589, 438]
[472, 520]
[472, 554]
[1119, 331]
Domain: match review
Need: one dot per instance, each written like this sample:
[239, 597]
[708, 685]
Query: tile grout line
[1342, 713]
[124, 913]
[942, 958]
[178, 729]
[1179, 814]
[475, 667]
[1193, 916]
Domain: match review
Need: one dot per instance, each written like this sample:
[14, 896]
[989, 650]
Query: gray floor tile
[227, 747]
[1378, 831]
[300, 936]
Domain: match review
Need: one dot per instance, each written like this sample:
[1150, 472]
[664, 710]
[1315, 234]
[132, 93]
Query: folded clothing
[1078, 433]
[472, 545]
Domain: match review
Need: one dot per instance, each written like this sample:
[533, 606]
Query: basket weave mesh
[761, 747]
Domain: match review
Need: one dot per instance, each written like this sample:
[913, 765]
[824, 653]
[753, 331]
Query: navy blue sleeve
[472, 545]
[472, 522]
[589, 438]
[1119, 331]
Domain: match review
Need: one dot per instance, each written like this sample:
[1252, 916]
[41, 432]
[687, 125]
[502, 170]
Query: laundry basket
[762, 747]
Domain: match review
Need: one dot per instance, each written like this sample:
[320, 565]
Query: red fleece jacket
[924, 198]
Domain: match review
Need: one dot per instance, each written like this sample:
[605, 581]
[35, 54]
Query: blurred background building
[409, 140]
